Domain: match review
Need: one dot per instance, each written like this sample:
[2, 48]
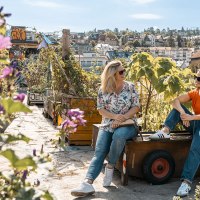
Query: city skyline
[85, 15]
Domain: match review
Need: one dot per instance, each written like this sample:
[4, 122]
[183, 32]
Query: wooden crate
[83, 135]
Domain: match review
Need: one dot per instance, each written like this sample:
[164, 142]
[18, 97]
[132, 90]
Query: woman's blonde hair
[108, 81]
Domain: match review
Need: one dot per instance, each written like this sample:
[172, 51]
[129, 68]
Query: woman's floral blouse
[117, 103]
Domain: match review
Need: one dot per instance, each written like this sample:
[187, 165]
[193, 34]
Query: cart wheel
[158, 167]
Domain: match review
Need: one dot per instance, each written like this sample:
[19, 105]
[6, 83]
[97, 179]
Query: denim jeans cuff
[167, 127]
[186, 180]
[89, 178]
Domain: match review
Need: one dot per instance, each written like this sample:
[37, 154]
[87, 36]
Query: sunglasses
[197, 77]
[121, 72]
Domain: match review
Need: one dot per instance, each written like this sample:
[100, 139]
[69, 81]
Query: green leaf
[11, 106]
[10, 155]
[25, 194]
[140, 73]
[23, 163]
[47, 196]
[12, 138]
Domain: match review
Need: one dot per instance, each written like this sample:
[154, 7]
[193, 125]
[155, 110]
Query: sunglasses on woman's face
[121, 72]
[197, 78]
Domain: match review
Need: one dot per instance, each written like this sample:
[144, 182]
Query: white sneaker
[159, 135]
[108, 176]
[83, 190]
[183, 190]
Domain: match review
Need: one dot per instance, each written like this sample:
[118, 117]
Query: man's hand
[115, 124]
[120, 118]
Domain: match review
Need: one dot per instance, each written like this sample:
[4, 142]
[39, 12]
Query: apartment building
[177, 54]
[91, 59]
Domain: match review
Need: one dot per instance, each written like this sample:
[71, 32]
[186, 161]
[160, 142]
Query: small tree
[158, 78]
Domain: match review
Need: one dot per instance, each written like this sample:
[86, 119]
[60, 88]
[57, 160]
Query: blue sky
[85, 15]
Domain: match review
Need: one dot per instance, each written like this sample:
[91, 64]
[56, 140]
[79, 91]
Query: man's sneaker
[83, 190]
[159, 135]
[183, 190]
[108, 176]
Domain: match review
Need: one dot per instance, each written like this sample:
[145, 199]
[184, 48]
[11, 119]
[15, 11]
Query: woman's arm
[176, 103]
[196, 117]
[132, 112]
[128, 115]
[106, 113]
[109, 115]
[186, 118]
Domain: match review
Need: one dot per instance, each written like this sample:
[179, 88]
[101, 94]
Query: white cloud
[43, 3]
[143, 1]
[147, 16]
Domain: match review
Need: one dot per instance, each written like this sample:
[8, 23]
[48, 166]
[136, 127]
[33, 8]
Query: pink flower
[75, 118]
[75, 112]
[7, 71]
[20, 97]
[69, 126]
[80, 120]
[5, 42]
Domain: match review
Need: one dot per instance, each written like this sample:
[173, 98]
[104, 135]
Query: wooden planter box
[83, 136]
[50, 110]
[50, 103]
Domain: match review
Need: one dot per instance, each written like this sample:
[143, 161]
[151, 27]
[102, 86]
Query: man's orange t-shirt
[195, 97]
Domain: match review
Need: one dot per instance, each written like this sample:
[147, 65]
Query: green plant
[14, 185]
[67, 76]
[35, 72]
[159, 80]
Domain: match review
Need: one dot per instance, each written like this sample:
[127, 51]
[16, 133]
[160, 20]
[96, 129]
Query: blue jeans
[112, 143]
[193, 160]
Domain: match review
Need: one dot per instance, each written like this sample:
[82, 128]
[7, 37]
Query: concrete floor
[70, 166]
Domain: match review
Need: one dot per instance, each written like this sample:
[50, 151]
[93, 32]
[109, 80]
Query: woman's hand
[120, 118]
[115, 124]
[187, 117]
[186, 123]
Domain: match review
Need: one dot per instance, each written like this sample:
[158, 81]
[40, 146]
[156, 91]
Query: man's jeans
[193, 160]
[112, 143]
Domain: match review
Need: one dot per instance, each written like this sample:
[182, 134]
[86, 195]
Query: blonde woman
[117, 101]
